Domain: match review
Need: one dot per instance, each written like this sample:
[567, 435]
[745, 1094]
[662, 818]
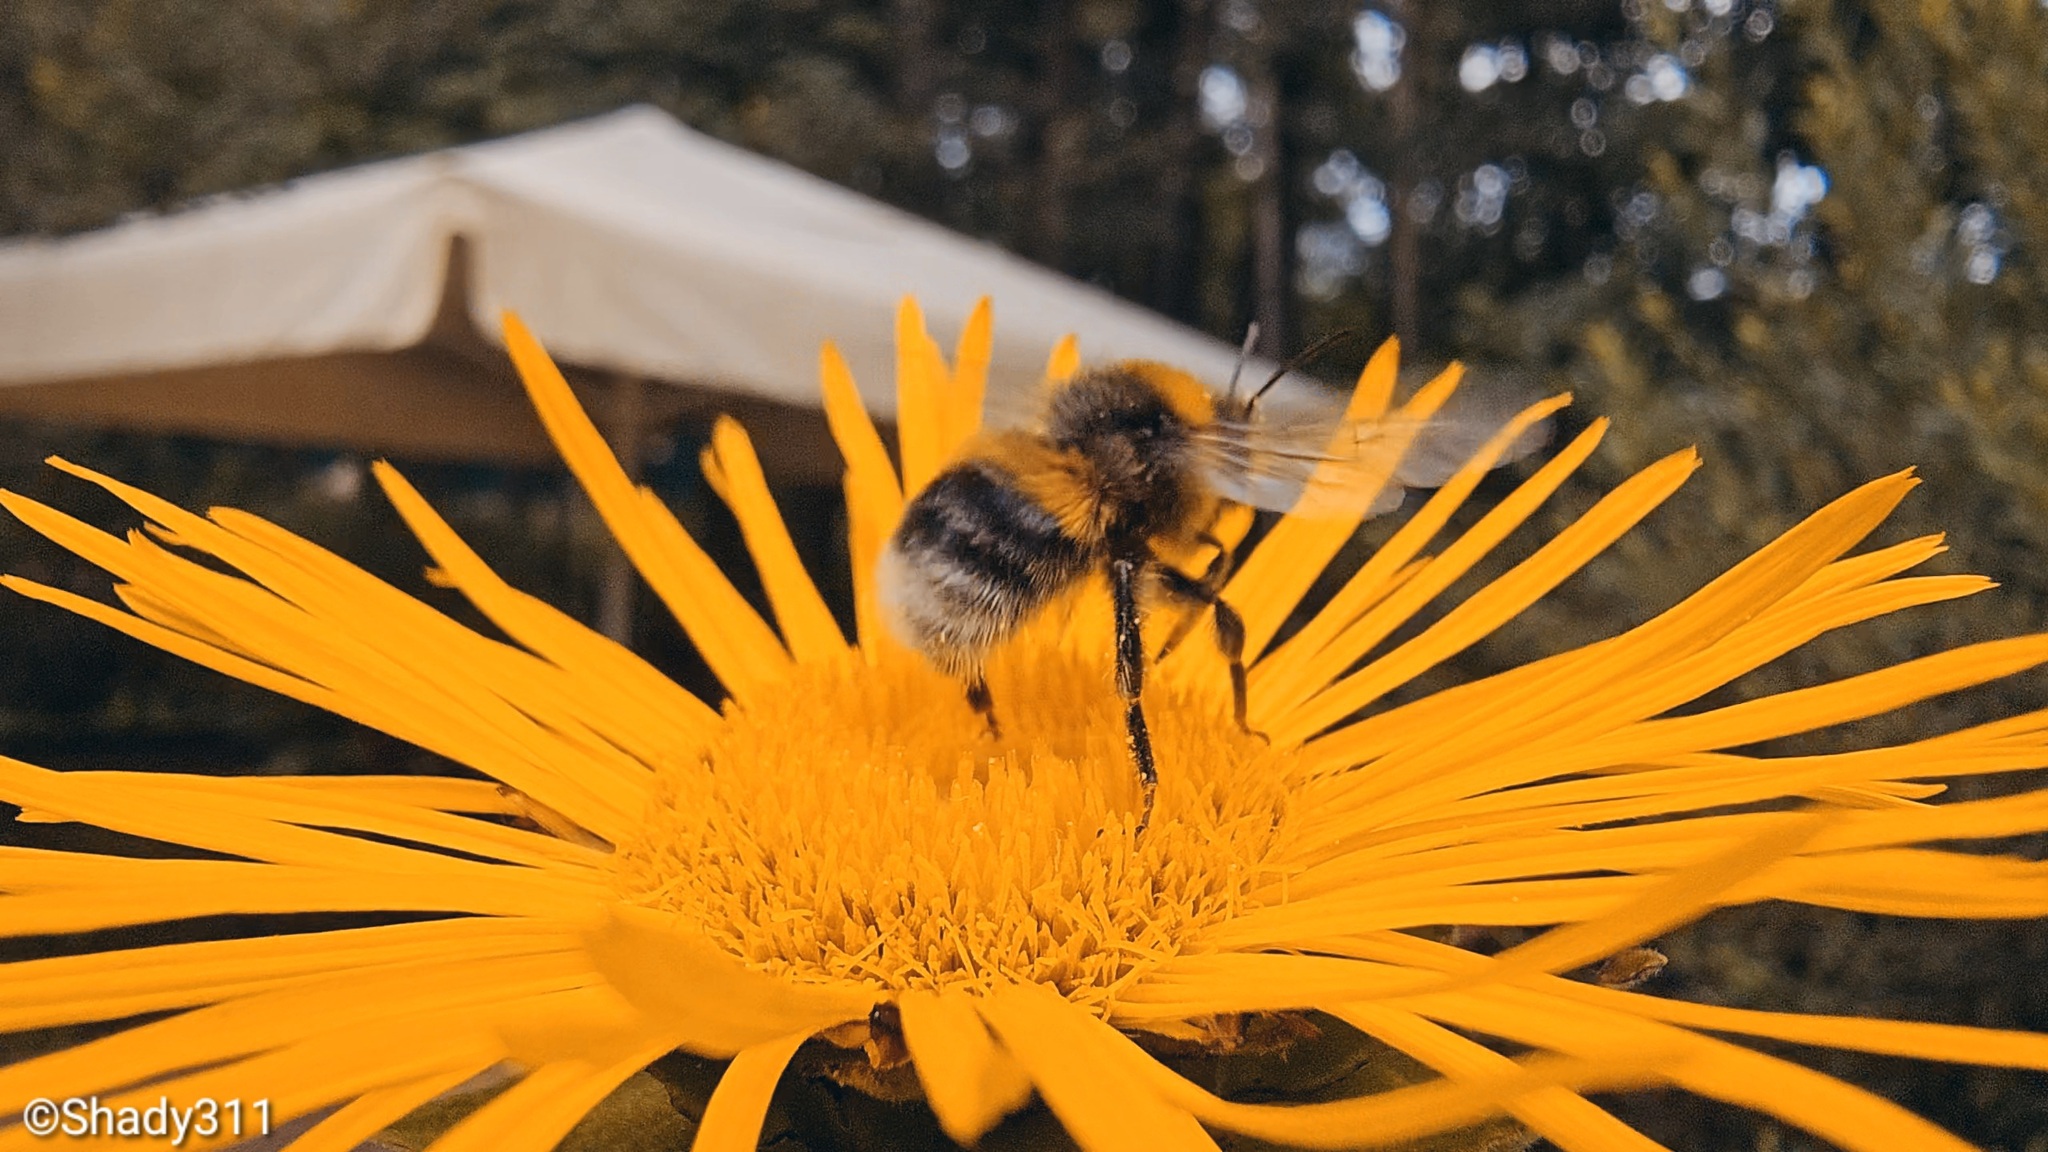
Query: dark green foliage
[1860, 346]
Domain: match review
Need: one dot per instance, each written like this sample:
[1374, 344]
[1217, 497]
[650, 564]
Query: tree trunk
[1405, 245]
[1270, 250]
[1175, 265]
[1061, 131]
[917, 73]
[627, 431]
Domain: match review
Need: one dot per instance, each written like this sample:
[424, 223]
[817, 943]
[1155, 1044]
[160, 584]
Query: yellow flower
[645, 871]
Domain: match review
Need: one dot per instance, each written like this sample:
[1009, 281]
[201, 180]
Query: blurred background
[1804, 235]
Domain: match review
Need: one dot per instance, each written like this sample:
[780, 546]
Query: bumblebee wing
[1363, 468]
[1015, 402]
[1456, 433]
[1305, 468]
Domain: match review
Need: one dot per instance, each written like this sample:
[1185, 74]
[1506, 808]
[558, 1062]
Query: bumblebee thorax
[1132, 422]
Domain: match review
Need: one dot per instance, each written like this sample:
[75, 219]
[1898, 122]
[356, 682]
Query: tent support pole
[627, 432]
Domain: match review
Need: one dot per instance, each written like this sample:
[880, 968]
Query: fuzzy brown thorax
[1131, 423]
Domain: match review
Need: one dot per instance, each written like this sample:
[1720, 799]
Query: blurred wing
[1016, 402]
[1305, 468]
[1327, 468]
[1461, 427]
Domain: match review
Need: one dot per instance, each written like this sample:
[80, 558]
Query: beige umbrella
[671, 273]
[358, 308]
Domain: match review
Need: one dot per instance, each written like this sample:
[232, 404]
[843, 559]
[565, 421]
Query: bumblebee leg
[983, 703]
[1130, 677]
[1230, 640]
[1212, 579]
[1229, 633]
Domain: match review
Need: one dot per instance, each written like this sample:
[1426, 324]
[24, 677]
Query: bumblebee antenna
[1251, 337]
[1299, 359]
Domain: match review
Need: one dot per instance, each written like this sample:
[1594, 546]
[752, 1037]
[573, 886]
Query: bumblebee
[1127, 463]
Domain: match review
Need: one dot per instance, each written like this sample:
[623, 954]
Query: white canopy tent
[358, 308]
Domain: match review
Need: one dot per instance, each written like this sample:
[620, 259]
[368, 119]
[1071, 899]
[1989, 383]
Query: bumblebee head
[1137, 401]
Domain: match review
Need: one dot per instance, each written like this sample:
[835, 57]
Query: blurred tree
[1823, 266]
[1163, 148]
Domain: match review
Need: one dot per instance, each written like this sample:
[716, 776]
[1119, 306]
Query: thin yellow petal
[1272, 580]
[1522, 903]
[1494, 1084]
[227, 662]
[1898, 882]
[435, 793]
[633, 693]
[1560, 1115]
[1104, 1104]
[302, 1077]
[423, 640]
[534, 1114]
[209, 813]
[970, 374]
[199, 652]
[1947, 1042]
[1373, 392]
[874, 498]
[1536, 850]
[734, 472]
[1675, 900]
[129, 982]
[732, 1120]
[1564, 684]
[708, 999]
[1806, 709]
[193, 821]
[1950, 1043]
[738, 645]
[1569, 698]
[1883, 794]
[866, 534]
[1064, 361]
[1402, 1114]
[1321, 899]
[921, 379]
[354, 1123]
[1208, 984]
[419, 682]
[1849, 1117]
[971, 1082]
[269, 798]
[589, 1023]
[371, 1009]
[1996, 818]
[854, 431]
[1517, 821]
[156, 610]
[168, 893]
[1870, 567]
[1770, 634]
[1498, 602]
[1339, 634]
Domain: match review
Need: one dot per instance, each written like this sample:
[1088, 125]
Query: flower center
[862, 824]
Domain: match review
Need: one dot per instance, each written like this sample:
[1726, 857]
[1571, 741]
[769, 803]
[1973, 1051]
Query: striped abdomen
[973, 560]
